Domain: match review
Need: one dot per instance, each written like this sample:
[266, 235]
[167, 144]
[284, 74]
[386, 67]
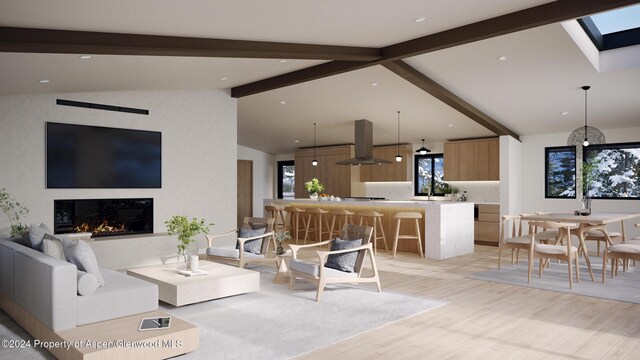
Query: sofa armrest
[46, 287]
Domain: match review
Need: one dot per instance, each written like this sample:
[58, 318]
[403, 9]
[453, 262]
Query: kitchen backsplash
[477, 191]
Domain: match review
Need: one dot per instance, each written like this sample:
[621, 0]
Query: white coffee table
[221, 281]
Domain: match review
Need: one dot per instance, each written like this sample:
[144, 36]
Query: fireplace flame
[101, 229]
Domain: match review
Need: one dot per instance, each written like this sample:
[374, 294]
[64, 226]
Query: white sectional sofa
[46, 288]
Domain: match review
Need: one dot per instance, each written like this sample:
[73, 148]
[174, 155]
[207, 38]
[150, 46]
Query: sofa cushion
[36, 234]
[87, 283]
[122, 295]
[52, 246]
[252, 246]
[229, 252]
[313, 269]
[345, 261]
[78, 252]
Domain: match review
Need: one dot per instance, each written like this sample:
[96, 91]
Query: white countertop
[418, 203]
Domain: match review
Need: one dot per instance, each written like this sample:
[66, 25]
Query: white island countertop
[448, 224]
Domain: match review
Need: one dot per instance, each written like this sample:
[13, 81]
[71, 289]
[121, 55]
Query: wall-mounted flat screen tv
[80, 156]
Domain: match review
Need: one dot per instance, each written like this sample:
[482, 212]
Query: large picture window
[428, 176]
[560, 172]
[613, 170]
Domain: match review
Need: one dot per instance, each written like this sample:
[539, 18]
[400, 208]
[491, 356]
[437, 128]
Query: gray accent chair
[235, 254]
[319, 274]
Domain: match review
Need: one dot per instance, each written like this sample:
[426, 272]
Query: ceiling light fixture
[564, 113]
[85, 57]
[398, 157]
[586, 135]
[374, 84]
[283, 60]
[283, 102]
[450, 125]
[421, 19]
[224, 78]
[502, 58]
[314, 162]
[44, 81]
[423, 150]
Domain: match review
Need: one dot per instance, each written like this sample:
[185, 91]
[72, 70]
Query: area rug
[624, 287]
[273, 323]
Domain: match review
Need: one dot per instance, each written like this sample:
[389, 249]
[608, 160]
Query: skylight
[613, 29]
[618, 20]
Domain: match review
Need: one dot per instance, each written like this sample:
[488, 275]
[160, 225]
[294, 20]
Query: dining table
[596, 221]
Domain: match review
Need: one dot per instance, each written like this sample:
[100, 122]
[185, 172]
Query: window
[613, 170]
[560, 172]
[286, 179]
[613, 29]
[429, 173]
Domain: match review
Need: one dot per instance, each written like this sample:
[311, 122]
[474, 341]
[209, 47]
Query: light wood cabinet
[396, 171]
[472, 160]
[336, 178]
[487, 225]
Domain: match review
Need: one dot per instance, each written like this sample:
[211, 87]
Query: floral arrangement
[280, 237]
[186, 230]
[314, 186]
[15, 211]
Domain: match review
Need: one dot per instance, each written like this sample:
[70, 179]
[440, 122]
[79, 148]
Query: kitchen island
[446, 226]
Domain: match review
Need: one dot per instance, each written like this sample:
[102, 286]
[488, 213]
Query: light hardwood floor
[485, 320]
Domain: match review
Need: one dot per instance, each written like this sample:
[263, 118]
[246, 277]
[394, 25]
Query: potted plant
[314, 186]
[15, 211]
[186, 230]
[280, 237]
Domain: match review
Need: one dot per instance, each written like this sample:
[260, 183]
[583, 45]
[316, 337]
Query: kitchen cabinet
[487, 225]
[396, 171]
[337, 179]
[472, 160]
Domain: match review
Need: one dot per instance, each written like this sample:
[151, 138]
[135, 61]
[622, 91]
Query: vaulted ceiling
[443, 84]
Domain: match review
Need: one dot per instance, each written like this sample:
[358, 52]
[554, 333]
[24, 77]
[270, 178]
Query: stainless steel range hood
[364, 146]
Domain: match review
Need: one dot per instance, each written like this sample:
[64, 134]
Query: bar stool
[365, 216]
[316, 216]
[292, 221]
[343, 216]
[275, 212]
[416, 216]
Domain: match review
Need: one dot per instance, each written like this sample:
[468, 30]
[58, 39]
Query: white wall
[533, 177]
[511, 177]
[263, 176]
[199, 145]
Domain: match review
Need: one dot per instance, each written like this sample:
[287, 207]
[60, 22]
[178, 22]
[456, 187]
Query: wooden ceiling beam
[436, 90]
[545, 14]
[29, 40]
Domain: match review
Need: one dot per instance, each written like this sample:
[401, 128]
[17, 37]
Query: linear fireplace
[104, 217]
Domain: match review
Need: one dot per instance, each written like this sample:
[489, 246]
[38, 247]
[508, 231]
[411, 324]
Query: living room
[206, 129]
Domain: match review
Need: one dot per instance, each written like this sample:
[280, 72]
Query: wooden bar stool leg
[395, 239]
[419, 238]
[384, 237]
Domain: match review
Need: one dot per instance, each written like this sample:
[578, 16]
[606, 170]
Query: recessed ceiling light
[283, 60]
[296, 141]
[564, 113]
[282, 102]
[44, 81]
[85, 57]
[421, 19]
[450, 125]
[502, 58]
[374, 84]
[224, 78]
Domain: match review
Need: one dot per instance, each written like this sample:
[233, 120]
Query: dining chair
[624, 251]
[566, 252]
[515, 242]
[598, 235]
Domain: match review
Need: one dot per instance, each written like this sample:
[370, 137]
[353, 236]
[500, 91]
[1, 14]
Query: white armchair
[352, 272]
[251, 249]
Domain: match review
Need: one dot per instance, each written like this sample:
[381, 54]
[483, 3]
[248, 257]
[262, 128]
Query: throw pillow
[52, 246]
[252, 246]
[79, 253]
[346, 261]
[87, 283]
[36, 234]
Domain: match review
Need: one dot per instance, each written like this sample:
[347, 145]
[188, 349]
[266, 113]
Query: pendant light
[423, 150]
[314, 162]
[398, 157]
[586, 135]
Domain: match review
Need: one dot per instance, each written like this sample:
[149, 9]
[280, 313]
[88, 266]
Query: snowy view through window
[613, 171]
[429, 167]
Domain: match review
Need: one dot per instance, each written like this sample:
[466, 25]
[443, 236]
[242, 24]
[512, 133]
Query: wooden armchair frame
[243, 259]
[349, 231]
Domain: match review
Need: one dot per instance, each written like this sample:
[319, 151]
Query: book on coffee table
[192, 273]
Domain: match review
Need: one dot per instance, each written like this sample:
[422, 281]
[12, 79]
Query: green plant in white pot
[15, 211]
[186, 230]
